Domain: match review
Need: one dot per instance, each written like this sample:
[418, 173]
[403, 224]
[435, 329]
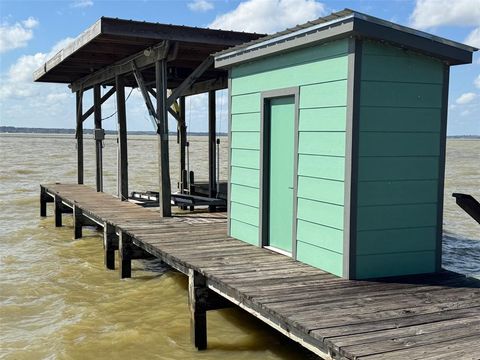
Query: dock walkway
[418, 317]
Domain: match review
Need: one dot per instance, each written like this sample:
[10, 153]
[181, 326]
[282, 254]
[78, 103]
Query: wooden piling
[125, 255]
[212, 123]
[58, 211]
[182, 132]
[77, 222]
[79, 136]
[197, 298]
[122, 137]
[109, 241]
[97, 105]
[43, 202]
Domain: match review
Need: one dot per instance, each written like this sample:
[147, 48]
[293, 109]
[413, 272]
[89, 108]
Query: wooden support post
[77, 222]
[191, 187]
[212, 182]
[197, 297]
[182, 130]
[122, 138]
[79, 136]
[109, 239]
[162, 118]
[125, 255]
[97, 106]
[43, 202]
[58, 211]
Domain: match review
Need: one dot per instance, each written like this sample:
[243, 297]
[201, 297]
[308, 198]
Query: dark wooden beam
[77, 222]
[57, 203]
[125, 255]
[144, 91]
[212, 137]
[142, 59]
[122, 139]
[102, 100]
[182, 141]
[79, 136]
[110, 244]
[97, 104]
[162, 117]
[197, 298]
[190, 80]
[170, 110]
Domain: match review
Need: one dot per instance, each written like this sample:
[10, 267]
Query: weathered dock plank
[420, 317]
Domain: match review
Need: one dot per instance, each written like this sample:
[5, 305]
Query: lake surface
[58, 302]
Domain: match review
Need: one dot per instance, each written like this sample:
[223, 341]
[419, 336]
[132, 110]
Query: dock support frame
[212, 156]
[125, 255]
[122, 139]
[97, 104]
[197, 298]
[110, 239]
[58, 207]
[77, 222]
[79, 136]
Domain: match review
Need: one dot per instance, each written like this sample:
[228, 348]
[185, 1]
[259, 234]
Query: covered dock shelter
[166, 62]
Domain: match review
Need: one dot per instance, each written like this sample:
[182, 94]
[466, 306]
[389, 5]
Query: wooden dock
[418, 317]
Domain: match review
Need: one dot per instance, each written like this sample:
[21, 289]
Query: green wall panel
[243, 231]
[397, 192]
[399, 144]
[321, 143]
[395, 264]
[245, 158]
[246, 122]
[322, 258]
[323, 119]
[397, 168]
[244, 213]
[396, 240]
[305, 55]
[391, 119]
[398, 216]
[244, 176]
[326, 167]
[245, 195]
[321, 190]
[396, 94]
[320, 213]
[324, 95]
[321, 236]
[248, 103]
[245, 140]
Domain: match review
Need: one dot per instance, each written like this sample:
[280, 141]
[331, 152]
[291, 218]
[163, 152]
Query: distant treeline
[28, 130]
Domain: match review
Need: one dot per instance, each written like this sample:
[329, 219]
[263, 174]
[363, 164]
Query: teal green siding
[321, 73]
[398, 162]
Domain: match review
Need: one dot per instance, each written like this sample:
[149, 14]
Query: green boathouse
[337, 144]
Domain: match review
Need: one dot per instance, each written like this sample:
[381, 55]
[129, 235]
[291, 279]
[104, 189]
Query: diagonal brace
[102, 100]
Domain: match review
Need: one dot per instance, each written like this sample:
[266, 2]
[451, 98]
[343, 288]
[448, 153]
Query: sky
[33, 31]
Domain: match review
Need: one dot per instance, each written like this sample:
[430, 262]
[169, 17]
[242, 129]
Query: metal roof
[110, 40]
[343, 24]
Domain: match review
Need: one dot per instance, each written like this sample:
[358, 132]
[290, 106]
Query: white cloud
[268, 16]
[476, 82]
[473, 39]
[16, 35]
[431, 13]
[466, 98]
[82, 3]
[200, 5]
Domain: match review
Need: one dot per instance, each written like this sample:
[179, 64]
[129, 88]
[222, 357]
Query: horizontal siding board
[326, 167]
[319, 235]
[244, 176]
[396, 217]
[397, 168]
[249, 103]
[324, 95]
[246, 122]
[369, 266]
[402, 68]
[396, 240]
[321, 143]
[389, 119]
[245, 140]
[245, 158]
[244, 232]
[320, 213]
[399, 144]
[244, 213]
[312, 72]
[393, 94]
[244, 195]
[314, 53]
[397, 192]
[323, 119]
[322, 258]
[330, 191]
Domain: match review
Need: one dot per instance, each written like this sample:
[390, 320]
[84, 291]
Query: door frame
[264, 182]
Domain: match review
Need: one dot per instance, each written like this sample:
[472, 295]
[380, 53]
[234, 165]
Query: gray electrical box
[98, 134]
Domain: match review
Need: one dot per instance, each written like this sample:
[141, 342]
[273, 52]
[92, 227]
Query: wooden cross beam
[170, 110]
[102, 100]
[143, 89]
